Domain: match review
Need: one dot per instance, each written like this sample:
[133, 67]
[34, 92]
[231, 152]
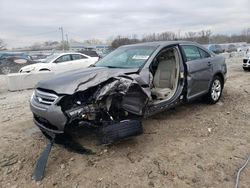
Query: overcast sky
[23, 22]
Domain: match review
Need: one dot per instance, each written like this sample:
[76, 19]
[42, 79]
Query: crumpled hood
[80, 80]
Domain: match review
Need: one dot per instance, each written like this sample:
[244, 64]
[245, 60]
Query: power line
[67, 39]
[37, 34]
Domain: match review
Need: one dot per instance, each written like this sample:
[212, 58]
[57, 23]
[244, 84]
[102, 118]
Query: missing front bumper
[46, 129]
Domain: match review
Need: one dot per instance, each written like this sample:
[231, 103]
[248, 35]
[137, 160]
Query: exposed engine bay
[109, 101]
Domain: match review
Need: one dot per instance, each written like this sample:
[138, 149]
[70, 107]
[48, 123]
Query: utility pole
[67, 39]
[61, 28]
[179, 34]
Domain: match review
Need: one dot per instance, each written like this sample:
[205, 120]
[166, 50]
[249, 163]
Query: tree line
[202, 37]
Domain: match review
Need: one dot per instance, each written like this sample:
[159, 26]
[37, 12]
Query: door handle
[209, 64]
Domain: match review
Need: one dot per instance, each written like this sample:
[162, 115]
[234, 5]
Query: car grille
[45, 98]
[245, 60]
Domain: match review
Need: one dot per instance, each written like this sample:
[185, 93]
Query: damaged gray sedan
[133, 81]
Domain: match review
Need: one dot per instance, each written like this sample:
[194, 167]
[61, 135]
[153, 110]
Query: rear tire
[246, 68]
[121, 130]
[215, 90]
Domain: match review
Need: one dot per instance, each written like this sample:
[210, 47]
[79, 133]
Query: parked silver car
[133, 81]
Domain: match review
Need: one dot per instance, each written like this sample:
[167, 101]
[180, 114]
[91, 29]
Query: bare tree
[119, 41]
[2, 45]
[167, 36]
[246, 35]
[190, 35]
[202, 37]
[149, 37]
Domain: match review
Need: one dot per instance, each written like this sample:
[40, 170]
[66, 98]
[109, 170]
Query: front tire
[215, 90]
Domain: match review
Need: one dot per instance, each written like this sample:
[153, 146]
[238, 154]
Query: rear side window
[204, 54]
[191, 52]
[63, 58]
[78, 56]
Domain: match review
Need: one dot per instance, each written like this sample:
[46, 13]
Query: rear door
[80, 61]
[199, 70]
[63, 63]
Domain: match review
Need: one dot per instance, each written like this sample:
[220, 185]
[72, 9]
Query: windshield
[49, 58]
[127, 57]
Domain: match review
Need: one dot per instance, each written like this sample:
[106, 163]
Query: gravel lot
[194, 145]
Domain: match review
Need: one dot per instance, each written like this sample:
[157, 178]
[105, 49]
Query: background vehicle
[133, 81]
[216, 48]
[231, 48]
[11, 62]
[246, 62]
[15, 55]
[244, 48]
[39, 57]
[61, 63]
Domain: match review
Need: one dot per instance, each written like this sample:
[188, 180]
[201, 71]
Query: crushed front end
[108, 102]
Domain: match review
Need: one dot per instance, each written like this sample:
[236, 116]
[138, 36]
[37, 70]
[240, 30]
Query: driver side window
[191, 52]
[63, 58]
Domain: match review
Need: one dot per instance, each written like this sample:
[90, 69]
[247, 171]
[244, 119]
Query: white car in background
[246, 62]
[61, 63]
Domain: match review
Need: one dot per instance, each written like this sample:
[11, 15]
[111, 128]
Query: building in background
[100, 49]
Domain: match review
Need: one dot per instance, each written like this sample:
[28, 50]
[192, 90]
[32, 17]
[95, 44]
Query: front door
[63, 63]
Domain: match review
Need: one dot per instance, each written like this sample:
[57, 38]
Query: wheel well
[44, 70]
[221, 76]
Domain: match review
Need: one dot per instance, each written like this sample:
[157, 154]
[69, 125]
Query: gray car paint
[200, 74]
[70, 82]
[191, 77]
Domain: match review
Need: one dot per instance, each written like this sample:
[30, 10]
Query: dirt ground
[193, 145]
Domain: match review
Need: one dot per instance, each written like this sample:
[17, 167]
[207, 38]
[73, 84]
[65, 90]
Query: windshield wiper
[119, 67]
[112, 67]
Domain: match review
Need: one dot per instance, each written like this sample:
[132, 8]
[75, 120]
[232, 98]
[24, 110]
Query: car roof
[68, 53]
[162, 43]
[65, 53]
